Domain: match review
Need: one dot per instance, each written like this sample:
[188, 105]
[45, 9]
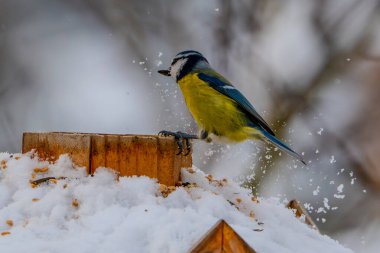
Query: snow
[316, 191]
[80, 213]
[332, 159]
[340, 188]
[326, 203]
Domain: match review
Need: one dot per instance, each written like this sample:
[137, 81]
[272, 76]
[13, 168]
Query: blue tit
[218, 108]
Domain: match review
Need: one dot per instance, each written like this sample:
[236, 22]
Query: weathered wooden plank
[98, 153]
[30, 141]
[76, 145]
[112, 152]
[147, 152]
[51, 145]
[129, 155]
[168, 162]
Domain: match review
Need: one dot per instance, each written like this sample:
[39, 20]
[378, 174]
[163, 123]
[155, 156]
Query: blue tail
[272, 139]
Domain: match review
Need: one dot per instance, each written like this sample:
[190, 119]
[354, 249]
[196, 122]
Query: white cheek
[174, 69]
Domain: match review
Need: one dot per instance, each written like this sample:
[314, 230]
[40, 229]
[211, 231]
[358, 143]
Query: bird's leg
[179, 136]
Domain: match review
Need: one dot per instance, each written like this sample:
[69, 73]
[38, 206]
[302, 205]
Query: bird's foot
[179, 136]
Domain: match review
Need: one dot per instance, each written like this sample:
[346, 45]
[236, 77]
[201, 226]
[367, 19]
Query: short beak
[164, 72]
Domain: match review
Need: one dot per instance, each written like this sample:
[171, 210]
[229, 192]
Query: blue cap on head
[188, 53]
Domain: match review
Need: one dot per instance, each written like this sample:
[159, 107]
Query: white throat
[177, 67]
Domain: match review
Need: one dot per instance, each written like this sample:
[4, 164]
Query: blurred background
[311, 68]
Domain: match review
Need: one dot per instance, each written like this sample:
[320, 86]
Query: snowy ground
[103, 214]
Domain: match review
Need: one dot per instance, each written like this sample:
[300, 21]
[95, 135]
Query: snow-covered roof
[80, 213]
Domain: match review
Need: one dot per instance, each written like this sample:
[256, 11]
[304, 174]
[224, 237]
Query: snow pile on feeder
[79, 213]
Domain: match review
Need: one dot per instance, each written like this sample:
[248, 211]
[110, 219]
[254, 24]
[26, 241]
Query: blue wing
[220, 84]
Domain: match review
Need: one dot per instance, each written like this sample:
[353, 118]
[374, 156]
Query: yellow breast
[213, 111]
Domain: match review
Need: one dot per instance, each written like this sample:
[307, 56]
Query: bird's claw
[179, 136]
[188, 147]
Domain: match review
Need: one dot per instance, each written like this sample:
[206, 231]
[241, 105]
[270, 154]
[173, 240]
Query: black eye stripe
[175, 60]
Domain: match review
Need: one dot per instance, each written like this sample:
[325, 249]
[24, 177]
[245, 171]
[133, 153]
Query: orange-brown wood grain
[221, 238]
[98, 152]
[129, 155]
[76, 145]
[51, 145]
[232, 242]
[165, 161]
[112, 151]
[211, 242]
[147, 153]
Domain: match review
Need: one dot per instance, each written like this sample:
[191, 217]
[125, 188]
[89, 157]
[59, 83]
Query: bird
[220, 110]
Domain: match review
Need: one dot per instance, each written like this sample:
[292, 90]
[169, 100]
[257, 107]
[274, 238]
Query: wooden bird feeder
[221, 238]
[149, 155]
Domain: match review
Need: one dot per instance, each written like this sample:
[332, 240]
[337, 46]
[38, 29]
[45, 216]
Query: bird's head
[184, 63]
